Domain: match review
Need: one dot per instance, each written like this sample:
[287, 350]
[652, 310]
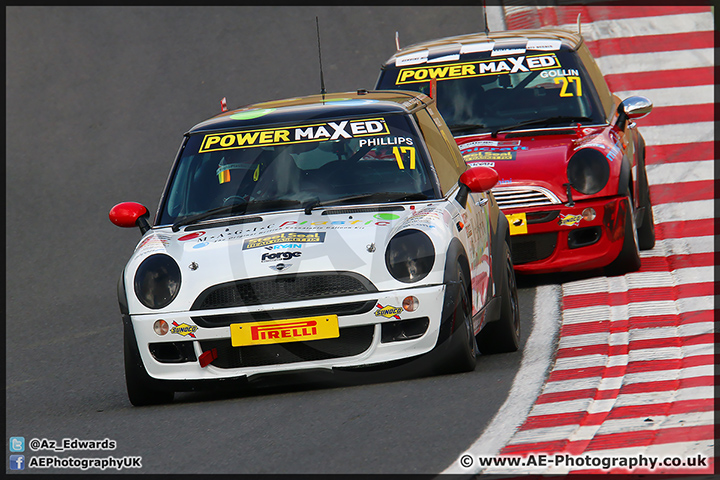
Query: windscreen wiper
[463, 127]
[547, 121]
[385, 196]
[234, 208]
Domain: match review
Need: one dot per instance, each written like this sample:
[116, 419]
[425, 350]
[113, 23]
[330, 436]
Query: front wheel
[503, 335]
[629, 258]
[139, 392]
[463, 357]
[646, 232]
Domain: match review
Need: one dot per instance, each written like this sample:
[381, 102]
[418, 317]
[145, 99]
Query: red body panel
[541, 161]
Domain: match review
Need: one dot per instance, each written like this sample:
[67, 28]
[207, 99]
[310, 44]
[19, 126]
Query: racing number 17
[565, 81]
[398, 151]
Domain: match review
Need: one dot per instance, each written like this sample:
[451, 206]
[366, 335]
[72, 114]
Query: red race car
[533, 105]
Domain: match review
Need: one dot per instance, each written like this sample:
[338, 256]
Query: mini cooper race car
[326, 232]
[533, 105]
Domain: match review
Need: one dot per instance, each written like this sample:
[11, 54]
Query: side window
[598, 80]
[449, 163]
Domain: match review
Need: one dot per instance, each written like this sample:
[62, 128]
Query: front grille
[352, 341]
[530, 248]
[351, 308]
[524, 197]
[283, 288]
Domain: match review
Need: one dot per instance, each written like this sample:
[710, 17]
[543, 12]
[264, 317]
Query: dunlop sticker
[316, 132]
[478, 68]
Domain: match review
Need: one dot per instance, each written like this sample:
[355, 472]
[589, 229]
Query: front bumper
[367, 337]
[559, 239]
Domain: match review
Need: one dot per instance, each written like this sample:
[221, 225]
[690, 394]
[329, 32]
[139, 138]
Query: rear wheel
[139, 392]
[629, 258]
[503, 335]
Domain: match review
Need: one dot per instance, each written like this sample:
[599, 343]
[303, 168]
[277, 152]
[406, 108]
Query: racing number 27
[565, 82]
[410, 151]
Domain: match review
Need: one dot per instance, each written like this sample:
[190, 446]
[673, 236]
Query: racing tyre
[629, 258]
[503, 335]
[136, 378]
[463, 356]
[646, 232]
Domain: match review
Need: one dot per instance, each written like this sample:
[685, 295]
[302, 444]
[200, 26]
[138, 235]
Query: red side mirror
[479, 179]
[130, 214]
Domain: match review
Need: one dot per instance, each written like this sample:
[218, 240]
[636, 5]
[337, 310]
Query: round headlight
[410, 256]
[588, 171]
[157, 281]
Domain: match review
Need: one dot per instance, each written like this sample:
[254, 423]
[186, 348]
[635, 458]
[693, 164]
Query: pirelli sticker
[479, 68]
[316, 132]
[282, 331]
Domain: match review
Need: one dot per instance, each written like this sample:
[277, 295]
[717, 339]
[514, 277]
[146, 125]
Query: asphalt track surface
[97, 101]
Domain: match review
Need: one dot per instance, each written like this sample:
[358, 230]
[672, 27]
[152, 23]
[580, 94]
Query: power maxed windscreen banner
[316, 132]
[477, 68]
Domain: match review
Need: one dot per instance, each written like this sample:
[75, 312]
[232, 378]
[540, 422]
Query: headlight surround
[588, 171]
[157, 281]
[410, 256]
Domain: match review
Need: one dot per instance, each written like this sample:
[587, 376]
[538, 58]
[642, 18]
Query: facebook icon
[17, 462]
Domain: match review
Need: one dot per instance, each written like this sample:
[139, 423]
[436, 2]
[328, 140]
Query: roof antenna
[397, 40]
[322, 80]
[487, 27]
[579, 32]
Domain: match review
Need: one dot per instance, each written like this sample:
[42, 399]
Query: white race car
[333, 232]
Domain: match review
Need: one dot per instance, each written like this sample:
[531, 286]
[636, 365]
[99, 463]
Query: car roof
[441, 47]
[316, 107]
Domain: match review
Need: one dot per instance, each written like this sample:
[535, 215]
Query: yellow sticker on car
[518, 223]
[282, 331]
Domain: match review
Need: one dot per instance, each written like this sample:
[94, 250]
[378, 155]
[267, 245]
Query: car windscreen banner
[478, 68]
[316, 132]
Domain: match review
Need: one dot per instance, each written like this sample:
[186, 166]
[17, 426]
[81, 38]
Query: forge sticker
[569, 220]
[317, 132]
[183, 329]
[480, 68]
[283, 237]
[388, 311]
[279, 256]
